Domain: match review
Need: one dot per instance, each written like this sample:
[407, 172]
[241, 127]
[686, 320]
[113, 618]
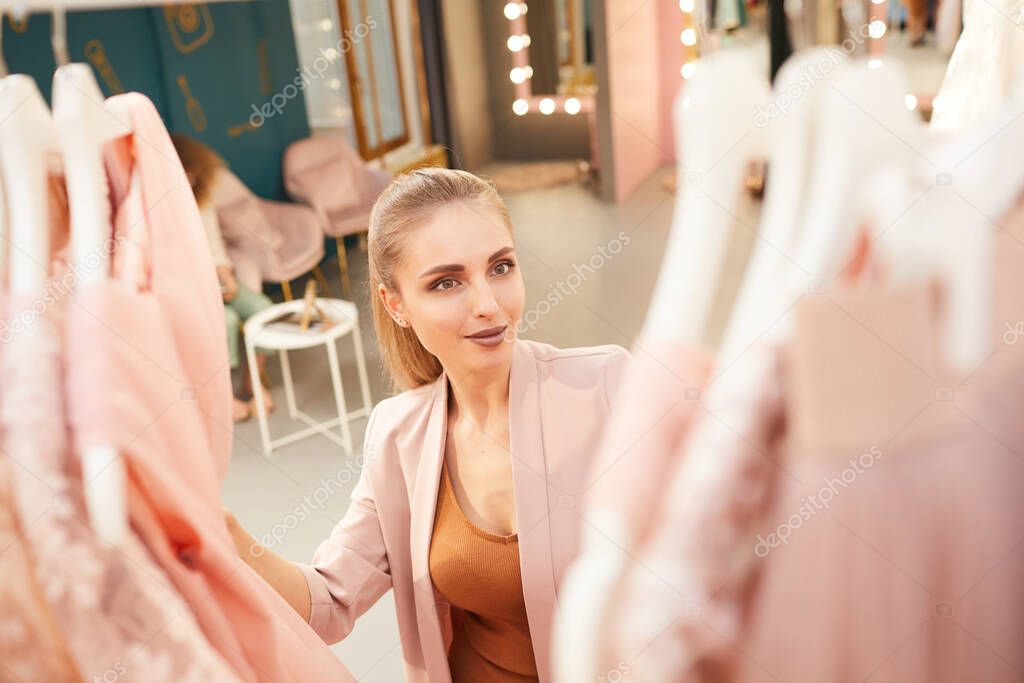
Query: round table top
[266, 332]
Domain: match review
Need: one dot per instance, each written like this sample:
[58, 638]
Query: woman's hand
[248, 547]
[228, 283]
[286, 578]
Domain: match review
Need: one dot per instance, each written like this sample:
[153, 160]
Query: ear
[392, 301]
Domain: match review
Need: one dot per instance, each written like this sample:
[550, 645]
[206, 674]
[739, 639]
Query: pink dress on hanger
[32, 648]
[157, 328]
[120, 615]
[893, 552]
[866, 526]
[658, 400]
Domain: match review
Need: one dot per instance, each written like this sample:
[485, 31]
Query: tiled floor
[558, 233]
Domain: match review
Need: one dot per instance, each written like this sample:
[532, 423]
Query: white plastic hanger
[84, 125]
[865, 125]
[792, 136]
[27, 137]
[716, 138]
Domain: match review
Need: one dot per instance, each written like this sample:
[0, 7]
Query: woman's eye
[503, 267]
[445, 284]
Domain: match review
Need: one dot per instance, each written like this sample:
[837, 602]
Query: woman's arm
[350, 570]
[285, 577]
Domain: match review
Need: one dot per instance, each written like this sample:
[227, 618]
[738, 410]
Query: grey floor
[557, 230]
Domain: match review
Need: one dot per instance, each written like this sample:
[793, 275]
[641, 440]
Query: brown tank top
[478, 573]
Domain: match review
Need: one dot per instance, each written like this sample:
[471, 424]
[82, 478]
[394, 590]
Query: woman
[203, 165]
[465, 507]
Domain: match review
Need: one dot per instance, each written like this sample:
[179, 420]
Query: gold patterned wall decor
[97, 56]
[240, 129]
[190, 26]
[263, 57]
[18, 25]
[194, 110]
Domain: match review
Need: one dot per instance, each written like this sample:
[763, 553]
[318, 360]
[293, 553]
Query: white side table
[261, 332]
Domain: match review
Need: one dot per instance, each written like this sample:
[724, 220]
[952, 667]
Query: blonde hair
[409, 201]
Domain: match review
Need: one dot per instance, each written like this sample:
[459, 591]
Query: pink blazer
[558, 402]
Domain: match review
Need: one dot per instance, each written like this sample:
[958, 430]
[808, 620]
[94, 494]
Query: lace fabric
[115, 607]
[32, 648]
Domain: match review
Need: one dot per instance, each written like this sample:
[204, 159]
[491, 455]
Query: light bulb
[911, 102]
[513, 10]
[688, 36]
[520, 107]
[688, 69]
[528, 71]
[326, 24]
[526, 40]
[515, 43]
[876, 29]
[686, 6]
[547, 106]
[875, 63]
[572, 106]
[517, 75]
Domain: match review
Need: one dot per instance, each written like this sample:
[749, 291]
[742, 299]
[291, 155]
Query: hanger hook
[59, 36]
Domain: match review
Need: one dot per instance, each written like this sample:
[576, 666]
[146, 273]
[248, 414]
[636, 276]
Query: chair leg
[322, 281]
[286, 287]
[346, 287]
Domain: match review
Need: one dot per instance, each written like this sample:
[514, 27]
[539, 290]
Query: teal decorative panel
[207, 68]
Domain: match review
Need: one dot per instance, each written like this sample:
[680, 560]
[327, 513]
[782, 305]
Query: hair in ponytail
[409, 201]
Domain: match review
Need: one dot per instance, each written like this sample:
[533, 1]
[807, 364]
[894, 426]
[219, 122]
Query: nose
[484, 303]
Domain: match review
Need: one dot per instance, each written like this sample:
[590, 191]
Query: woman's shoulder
[578, 357]
[599, 367]
[401, 409]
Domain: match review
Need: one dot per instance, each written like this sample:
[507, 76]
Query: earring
[401, 322]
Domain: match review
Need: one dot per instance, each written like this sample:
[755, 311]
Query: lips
[489, 332]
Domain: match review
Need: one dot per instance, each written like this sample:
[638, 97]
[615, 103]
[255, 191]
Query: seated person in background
[202, 164]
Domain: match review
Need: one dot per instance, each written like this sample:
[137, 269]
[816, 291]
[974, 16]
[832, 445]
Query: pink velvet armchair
[328, 175]
[267, 241]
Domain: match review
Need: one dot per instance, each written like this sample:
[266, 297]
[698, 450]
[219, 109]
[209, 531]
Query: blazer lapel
[421, 528]
[529, 473]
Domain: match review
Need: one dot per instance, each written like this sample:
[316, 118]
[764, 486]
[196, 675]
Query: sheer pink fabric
[114, 606]
[643, 435]
[32, 648]
[893, 550]
[856, 515]
[158, 329]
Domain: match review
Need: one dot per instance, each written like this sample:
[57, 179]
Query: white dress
[987, 61]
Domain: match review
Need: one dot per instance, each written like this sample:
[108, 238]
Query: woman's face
[460, 288]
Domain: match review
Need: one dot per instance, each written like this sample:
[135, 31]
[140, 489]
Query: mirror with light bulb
[552, 47]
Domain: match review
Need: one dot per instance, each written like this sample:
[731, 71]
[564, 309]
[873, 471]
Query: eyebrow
[457, 268]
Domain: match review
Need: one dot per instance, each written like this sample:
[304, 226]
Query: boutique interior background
[566, 103]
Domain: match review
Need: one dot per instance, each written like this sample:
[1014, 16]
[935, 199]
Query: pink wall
[644, 58]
